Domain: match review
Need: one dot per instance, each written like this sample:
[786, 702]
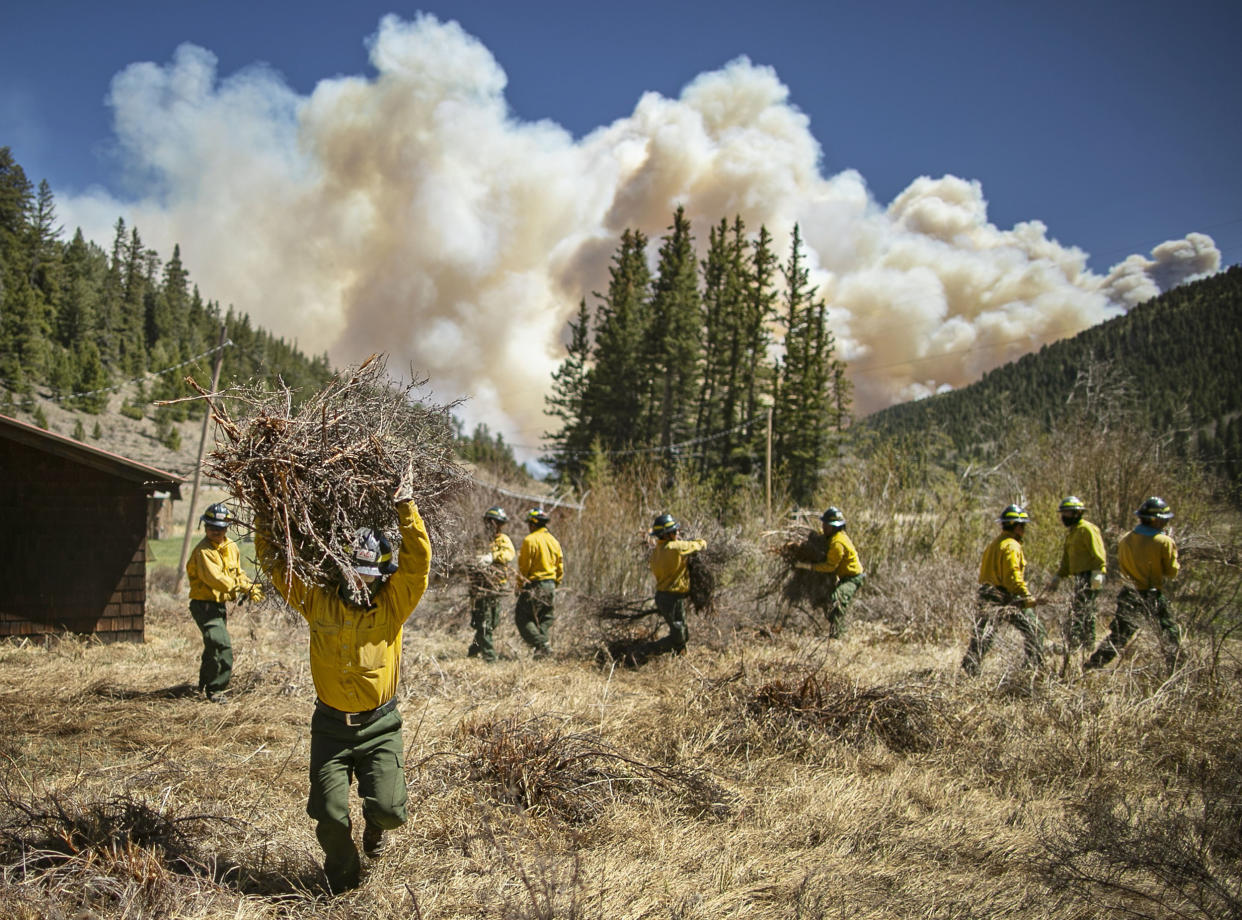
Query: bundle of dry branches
[800, 587]
[705, 568]
[905, 717]
[315, 474]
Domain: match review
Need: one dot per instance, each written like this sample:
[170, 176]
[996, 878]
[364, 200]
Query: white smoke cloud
[409, 212]
[1137, 279]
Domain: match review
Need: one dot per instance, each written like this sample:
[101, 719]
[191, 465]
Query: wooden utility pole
[198, 467]
[767, 471]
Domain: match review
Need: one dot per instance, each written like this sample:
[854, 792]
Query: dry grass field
[768, 773]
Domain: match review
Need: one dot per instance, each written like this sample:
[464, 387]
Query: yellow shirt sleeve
[502, 549]
[215, 573]
[842, 558]
[1083, 552]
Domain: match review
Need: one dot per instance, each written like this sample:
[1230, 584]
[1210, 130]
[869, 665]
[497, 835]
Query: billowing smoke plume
[411, 213]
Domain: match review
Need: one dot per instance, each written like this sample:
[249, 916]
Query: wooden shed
[75, 544]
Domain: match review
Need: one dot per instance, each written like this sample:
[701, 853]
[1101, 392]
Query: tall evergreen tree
[805, 406]
[674, 343]
[570, 443]
[131, 320]
[24, 315]
[618, 389]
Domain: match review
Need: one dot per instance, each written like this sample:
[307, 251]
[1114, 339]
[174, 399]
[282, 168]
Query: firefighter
[1082, 558]
[672, 575]
[541, 567]
[215, 575]
[355, 662]
[1147, 558]
[1003, 595]
[841, 565]
[490, 584]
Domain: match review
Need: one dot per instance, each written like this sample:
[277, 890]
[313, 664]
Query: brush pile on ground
[535, 764]
[905, 718]
[316, 473]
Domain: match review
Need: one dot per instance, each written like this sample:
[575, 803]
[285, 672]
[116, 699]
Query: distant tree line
[683, 363]
[1172, 360]
[76, 319]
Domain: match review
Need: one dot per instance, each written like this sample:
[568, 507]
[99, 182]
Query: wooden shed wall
[76, 557]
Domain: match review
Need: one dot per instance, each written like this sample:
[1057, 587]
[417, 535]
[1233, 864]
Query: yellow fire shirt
[215, 572]
[1004, 565]
[668, 564]
[502, 554]
[541, 558]
[355, 654]
[1084, 550]
[1147, 559]
[842, 559]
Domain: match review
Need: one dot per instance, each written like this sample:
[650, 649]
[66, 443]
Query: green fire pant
[842, 594]
[535, 613]
[673, 608]
[1134, 606]
[1080, 630]
[484, 615]
[374, 754]
[997, 606]
[216, 667]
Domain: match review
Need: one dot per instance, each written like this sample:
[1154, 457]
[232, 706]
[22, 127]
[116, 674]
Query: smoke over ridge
[409, 212]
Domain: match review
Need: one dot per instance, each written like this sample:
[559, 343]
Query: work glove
[1097, 581]
[256, 594]
[804, 565]
[485, 559]
[405, 487]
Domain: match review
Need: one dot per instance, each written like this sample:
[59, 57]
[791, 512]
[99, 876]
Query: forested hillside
[76, 321]
[1174, 360]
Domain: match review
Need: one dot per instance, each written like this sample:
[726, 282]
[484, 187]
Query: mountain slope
[1178, 355]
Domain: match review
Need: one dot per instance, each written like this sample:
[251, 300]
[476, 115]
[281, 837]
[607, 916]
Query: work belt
[355, 719]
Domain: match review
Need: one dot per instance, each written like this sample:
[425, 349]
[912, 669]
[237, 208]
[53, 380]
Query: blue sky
[1117, 124]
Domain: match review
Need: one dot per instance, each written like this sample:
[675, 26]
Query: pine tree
[619, 386]
[806, 403]
[19, 302]
[90, 378]
[756, 377]
[567, 402]
[674, 343]
[131, 336]
[720, 311]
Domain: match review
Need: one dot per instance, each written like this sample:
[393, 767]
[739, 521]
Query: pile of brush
[535, 765]
[905, 717]
[316, 473]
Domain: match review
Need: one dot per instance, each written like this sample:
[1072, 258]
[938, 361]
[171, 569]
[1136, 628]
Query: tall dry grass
[768, 773]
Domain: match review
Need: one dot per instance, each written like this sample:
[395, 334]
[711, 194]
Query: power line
[650, 450]
[146, 376]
